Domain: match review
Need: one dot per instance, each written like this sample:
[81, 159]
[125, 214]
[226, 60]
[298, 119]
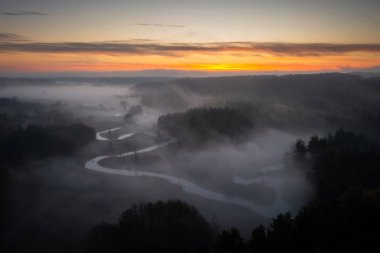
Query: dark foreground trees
[349, 224]
[345, 214]
[230, 241]
[171, 226]
[340, 161]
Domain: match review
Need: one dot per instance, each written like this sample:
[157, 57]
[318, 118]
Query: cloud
[180, 49]
[160, 25]
[314, 49]
[11, 37]
[23, 13]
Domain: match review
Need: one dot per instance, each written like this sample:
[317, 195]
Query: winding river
[189, 186]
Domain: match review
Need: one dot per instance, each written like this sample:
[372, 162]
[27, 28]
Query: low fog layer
[241, 184]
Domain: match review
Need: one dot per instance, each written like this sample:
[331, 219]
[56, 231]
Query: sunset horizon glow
[208, 36]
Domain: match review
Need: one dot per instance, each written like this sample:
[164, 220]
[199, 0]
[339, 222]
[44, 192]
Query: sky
[38, 36]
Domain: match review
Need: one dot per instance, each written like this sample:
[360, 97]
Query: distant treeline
[344, 216]
[19, 145]
[15, 112]
[199, 125]
[310, 101]
[51, 81]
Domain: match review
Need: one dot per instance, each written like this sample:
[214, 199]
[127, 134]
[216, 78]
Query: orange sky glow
[198, 35]
[191, 61]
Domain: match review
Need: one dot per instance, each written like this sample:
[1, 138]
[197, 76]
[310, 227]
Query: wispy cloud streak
[23, 13]
[160, 25]
[11, 37]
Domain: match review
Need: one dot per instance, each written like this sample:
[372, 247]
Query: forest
[224, 164]
[198, 125]
[19, 145]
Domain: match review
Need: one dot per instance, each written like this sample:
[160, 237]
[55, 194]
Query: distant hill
[6, 81]
[308, 101]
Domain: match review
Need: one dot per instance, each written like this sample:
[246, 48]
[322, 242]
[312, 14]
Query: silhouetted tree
[258, 241]
[230, 241]
[133, 111]
[280, 232]
[300, 150]
[124, 104]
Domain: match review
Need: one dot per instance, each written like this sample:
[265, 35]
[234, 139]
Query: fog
[241, 182]
[224, 145]
[79, 97]
[240, 185]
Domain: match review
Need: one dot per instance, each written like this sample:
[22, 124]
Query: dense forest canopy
[340, 161]
[35, 142]
[198, 125]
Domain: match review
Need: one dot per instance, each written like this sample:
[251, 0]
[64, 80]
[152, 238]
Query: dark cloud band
[178, 49]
